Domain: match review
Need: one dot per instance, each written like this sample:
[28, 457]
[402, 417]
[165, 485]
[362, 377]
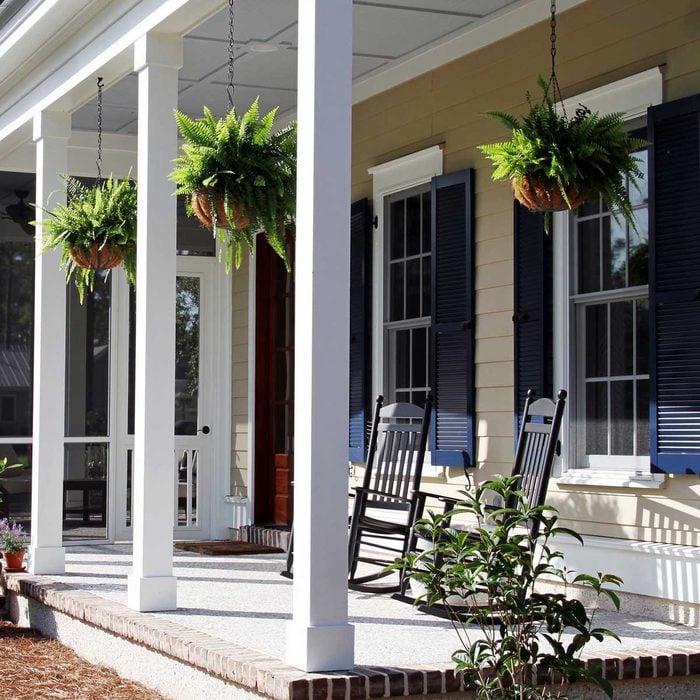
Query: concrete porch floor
[231, 617]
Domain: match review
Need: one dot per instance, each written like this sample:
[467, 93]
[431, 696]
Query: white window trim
[633, 96]
[387, 178]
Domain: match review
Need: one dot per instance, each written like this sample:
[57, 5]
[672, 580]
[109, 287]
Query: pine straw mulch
[34, 668]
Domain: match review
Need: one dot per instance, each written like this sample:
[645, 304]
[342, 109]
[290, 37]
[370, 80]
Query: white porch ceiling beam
[319, 636]
[103, 45]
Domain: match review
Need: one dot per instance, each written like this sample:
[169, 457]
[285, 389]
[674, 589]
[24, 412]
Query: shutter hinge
[520, 317]
[375, 222]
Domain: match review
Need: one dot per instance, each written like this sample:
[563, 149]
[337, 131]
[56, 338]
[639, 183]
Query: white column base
[152, 593]
[47, 560]
[325, 648]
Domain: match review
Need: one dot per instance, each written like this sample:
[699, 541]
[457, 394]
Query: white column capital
[48, 124]
[154, 49]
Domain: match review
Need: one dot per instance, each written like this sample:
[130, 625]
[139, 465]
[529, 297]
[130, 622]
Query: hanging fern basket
[96, 257]
[203, 200]
[539, 194]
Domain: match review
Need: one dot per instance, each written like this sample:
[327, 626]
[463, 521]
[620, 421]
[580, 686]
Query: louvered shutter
[533, 305]
[360, 333]
[452, 337]
[674, 286]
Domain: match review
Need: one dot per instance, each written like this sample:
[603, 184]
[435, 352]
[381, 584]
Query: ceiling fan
[20, 212]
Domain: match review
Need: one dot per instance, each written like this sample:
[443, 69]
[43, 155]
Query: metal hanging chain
[98, 162]
[230, 88]
[553, 82]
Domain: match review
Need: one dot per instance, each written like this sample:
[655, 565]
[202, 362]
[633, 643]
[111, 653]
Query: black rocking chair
[386, 505]
[538, 444]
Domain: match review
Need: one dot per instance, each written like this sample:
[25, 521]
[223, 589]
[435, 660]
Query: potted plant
[556, 162]
[13, 545]
[519, 637]
[240, 177]
[95, 229]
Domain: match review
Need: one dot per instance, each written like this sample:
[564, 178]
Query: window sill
[620, 479]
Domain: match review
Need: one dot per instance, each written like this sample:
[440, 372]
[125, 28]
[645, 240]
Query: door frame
[214, 402]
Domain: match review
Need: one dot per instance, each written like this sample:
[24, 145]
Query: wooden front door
[274, 387]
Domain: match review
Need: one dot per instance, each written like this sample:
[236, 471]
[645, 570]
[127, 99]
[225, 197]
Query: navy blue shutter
[674, 286]
[360, 328]
[533, 306]
[452, 337]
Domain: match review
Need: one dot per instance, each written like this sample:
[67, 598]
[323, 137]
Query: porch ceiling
[387, 33]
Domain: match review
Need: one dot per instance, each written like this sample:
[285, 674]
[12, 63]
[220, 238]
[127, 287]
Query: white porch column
[152, 586]
[319, 636]
[51, 133]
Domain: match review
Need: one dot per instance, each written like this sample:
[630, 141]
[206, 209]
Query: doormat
[220, 547]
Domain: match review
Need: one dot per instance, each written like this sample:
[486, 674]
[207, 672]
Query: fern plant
[589, 154]
[245, 164]
[92, 219]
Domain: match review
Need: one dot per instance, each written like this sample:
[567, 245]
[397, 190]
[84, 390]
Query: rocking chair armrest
[361, 490]
[447, 500]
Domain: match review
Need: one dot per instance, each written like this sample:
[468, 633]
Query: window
[401, 275]
[601, 316]
[407, 295]
[610, 333]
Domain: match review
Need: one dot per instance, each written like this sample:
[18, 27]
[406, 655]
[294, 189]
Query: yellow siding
[599, 42]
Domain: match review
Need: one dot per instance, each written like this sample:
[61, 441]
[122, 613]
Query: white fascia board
[502, 24]
[104, 45]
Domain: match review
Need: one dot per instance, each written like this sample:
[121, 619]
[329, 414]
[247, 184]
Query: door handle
[205, 429]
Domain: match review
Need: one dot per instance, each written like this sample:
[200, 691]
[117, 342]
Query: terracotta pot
[14, 561]
[201, 205]
[96, 257]
[539, 194]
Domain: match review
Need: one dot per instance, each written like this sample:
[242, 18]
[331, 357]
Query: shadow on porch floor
[232, 612]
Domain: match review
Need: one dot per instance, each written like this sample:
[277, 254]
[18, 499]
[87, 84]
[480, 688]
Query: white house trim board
[101, 46]
[51, 132]
[647, 568]
[319, 636]
[152, 586]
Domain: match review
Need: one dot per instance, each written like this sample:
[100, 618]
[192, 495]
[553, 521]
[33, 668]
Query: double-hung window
[609, 302]
[407, 294]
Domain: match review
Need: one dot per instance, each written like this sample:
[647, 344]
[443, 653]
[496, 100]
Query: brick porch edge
[272, 677]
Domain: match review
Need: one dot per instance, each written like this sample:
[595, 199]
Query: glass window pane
[192, 237]
[597, 418]
[642, 330]
[614, 254]
[418, 358]
[16, 484]
[622, 417]
[413, 290]
[186, 355]
[413, 225]
[403, 397]
[597, 340]
[85, 491]
[403, 359]
[396, 230]
[621, 338]
[643, 417]
[588, 256]
[426, 222]
[425, 286]
[87, 360]
[639, 249]
[589, 208]
[16, 329]
[641, 195]
[396, 310]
